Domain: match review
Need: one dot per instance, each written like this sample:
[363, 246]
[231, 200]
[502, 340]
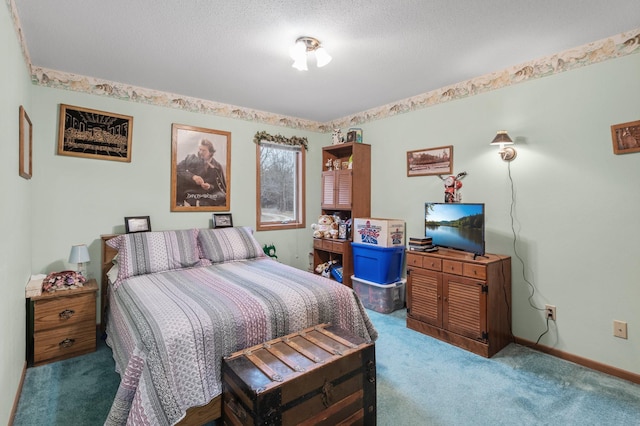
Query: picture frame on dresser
[430, 161]
[200, 169]
[25, 149]
[89, 133]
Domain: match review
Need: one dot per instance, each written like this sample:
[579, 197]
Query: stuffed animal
[324, 269]
[323, 227]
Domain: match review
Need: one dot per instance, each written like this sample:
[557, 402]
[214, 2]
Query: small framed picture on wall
[626, 137]
[430, 161]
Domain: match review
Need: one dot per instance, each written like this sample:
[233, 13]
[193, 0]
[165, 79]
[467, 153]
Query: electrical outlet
[620, 329]
[550, 311]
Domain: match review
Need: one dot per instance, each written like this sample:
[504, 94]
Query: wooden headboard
[108, 253]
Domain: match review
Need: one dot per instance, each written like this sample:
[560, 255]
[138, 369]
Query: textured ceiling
[237, 51]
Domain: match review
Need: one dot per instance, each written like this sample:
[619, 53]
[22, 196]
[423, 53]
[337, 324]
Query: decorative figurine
[452, 185]
[329, 164]
[336, 137]
[336, 164]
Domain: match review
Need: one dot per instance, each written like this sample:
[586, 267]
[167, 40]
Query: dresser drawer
[333, 246]
[317, 243]
[474, 271]
[432, 263]
[328, 245]
[452, 267]
[64, 311]
[414, 260]
[64, 342]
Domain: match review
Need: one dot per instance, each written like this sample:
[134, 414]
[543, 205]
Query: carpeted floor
[421, 381]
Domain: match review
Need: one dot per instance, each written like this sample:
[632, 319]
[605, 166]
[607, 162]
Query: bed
[177, 302]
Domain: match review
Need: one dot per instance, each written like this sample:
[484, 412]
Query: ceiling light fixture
[300, 51]
[502, 138]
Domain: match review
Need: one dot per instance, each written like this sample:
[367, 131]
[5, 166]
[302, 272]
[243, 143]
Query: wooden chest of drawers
[62, 324]
[460, 299]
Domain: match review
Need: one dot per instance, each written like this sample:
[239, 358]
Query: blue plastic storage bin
[382, 265]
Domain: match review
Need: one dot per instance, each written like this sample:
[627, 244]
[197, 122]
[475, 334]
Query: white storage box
[378, 232]
[383, 298]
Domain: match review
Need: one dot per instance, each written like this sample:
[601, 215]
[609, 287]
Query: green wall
[16, 213]
[83, 198]
[576, 204]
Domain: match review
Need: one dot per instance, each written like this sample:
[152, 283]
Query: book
[420, 241]
[421, 247]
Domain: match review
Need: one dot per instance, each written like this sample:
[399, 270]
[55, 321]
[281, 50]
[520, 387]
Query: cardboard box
[378, 232]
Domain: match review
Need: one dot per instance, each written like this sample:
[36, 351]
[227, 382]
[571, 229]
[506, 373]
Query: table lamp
[79, 254]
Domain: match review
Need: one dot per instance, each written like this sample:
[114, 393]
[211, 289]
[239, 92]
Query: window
[280, 186]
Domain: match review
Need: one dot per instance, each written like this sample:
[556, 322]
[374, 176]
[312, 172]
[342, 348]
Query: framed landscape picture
[89, 133]
[430, 161]
[200, 169]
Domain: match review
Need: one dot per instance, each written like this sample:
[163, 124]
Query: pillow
[112, 274]
[228, 244]
[148, 252]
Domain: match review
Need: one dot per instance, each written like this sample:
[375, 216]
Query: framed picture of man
[200, 169]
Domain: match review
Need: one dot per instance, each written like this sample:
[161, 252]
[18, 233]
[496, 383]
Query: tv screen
[458, 226]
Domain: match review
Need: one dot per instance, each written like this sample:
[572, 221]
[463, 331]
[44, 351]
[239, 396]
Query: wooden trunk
[319, 376]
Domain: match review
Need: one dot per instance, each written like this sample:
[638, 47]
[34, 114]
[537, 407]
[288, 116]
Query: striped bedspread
[169, 331]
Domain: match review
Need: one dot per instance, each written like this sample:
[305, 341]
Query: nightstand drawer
[64, 311]
[64, 342]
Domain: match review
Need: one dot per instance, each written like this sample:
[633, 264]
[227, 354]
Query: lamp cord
[515, 248]
[517, 255]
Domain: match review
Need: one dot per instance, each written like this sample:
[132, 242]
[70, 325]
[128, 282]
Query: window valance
[294, 140]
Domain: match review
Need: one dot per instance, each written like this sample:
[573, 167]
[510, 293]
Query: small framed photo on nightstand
[134, 224]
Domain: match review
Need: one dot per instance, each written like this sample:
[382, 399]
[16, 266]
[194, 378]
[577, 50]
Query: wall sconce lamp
[79, 254]
[507, 153]
[304, 46]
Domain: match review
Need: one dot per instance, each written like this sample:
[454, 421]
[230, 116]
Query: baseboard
[585, 362]
[16, 399]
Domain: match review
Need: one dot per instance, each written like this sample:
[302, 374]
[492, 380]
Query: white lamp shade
[322, 57]
[301, 63]
[299, 50]
[79, 254]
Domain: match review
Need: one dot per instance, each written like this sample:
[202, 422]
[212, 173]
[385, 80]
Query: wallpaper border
[617, 46]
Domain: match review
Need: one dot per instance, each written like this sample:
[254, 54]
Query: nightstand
[61, 324]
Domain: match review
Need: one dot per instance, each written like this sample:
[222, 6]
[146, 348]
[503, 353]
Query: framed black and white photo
[200, 169]
[430, 161]
[134, 224]
[222, 220]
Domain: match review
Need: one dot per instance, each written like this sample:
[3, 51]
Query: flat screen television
[458, 226]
